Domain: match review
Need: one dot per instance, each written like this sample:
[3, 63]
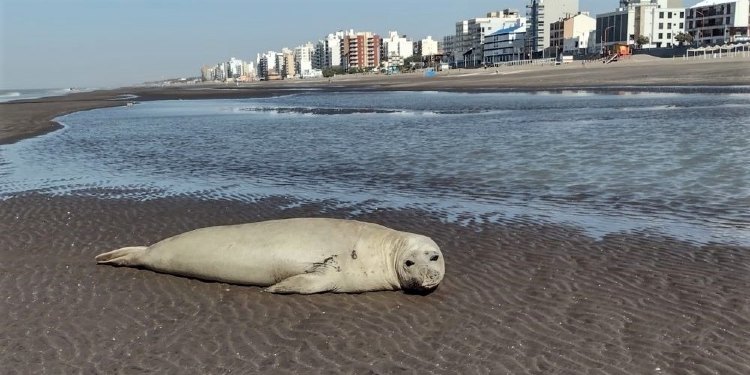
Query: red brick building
[361, 50]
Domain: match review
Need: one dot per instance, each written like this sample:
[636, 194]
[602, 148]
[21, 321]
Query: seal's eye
[434, 258]
[409, 263]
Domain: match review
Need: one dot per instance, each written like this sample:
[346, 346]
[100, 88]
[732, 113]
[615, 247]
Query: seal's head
[419, 264]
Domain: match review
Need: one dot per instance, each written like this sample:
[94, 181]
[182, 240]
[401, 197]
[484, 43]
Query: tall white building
[540, 14]
[658, 20]
[270, 57]
[466, 47]
[303, 58]
[397, 48]
[266, 63]
[208, 73]
[427, 47]
[236, 68]
[717, 22]
[665, 24]
[328, 50]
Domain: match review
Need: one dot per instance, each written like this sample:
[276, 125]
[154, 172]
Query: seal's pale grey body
[296, 256]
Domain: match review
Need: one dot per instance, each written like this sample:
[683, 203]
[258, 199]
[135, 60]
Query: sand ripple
[519, 297]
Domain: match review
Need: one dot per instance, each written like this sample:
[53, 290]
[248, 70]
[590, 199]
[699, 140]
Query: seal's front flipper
[306, 283]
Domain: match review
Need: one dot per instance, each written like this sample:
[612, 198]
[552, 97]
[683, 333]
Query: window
[690, 25]
[682, 26]
[682, 14]
[729, 20]
[669, 26]
[661, 26]
[661, 36]
[669, 14]
[661, 14]
[669, 35]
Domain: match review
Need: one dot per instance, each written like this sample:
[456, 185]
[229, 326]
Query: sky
[111, 43]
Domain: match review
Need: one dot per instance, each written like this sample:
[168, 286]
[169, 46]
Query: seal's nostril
[434, 258]
[409, 263]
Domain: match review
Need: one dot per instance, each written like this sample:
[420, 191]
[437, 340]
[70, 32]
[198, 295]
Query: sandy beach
[519, 297]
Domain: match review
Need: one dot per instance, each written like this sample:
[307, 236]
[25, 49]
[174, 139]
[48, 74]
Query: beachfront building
[263, 68]
[658, 20]
[232, 70]
[267, 64]
[328, 50]
[396, 48]
[304, 56]
[360, 51]
[719, 22]
[505, 44]
[285, 62]
[236, 68]
[466, 47]
[208, 73]
[248, 72]
[540, 14]
[426, 47]
[571, 35]
[665, 24]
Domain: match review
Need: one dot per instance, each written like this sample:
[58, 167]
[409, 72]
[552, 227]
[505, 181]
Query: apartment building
[571, 34]
[360, 50]
[665, 24]
[659, 20]
[541, 14]
[396, 48]
[718, 22]
[328, 50]
[303, 59]
[466, 47]
[505, 44]
[427, 47]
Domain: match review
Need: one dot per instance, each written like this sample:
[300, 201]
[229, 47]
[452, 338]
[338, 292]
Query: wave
[317, 111]
[331, 111]
[10, 94]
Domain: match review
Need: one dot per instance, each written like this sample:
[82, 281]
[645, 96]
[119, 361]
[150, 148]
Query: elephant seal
[296, 256]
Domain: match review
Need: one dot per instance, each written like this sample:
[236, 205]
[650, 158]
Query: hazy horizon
[98, 44]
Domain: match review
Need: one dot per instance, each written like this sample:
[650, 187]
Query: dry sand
[518, 297]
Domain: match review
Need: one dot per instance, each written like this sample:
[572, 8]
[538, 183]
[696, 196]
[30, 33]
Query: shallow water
[666, 163]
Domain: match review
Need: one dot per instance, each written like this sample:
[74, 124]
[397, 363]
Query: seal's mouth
[425, 286]
[420, 289]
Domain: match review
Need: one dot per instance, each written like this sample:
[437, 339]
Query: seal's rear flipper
[307, 283]
[127, 256]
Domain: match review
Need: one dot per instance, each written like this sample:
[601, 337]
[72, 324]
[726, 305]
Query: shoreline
[28, 118]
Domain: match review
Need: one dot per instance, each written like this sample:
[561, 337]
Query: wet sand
[519, 296]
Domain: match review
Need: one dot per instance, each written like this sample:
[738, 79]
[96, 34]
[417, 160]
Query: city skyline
[85, 43]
